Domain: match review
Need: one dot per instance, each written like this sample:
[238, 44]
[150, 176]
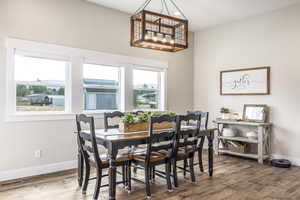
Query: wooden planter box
[136, 127]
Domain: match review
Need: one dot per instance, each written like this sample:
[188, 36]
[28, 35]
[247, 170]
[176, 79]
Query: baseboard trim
[38, 170]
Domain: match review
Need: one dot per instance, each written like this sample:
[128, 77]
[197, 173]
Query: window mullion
[128, 96]
[159, 91]
[77, 84]
[68, 88]
[11, 84]
[122, 92]
[163, 90]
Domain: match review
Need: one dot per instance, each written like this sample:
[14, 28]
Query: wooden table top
[117, 135]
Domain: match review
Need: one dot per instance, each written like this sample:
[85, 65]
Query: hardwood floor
[234, 179]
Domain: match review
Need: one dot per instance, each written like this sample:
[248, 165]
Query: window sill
[97, 112]
[148, 110]
[22, 117]
[52, 116]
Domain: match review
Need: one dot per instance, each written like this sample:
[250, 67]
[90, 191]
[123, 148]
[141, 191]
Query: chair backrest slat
[86, 150]
[204, 117]
[154, 143]
[111, 115]
[187, 137]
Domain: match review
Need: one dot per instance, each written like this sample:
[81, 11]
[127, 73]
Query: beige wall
[268, 40]
[78, 24]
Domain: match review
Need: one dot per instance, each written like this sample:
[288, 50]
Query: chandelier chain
[143, 6]
[163, 5]
[166, 7]
[178, 9]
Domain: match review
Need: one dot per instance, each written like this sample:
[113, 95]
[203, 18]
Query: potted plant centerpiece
[225, 113]
[134, 123]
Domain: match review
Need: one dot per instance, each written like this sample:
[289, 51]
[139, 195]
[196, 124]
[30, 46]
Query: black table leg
[80, 169]
[113, 151]
[210, 153]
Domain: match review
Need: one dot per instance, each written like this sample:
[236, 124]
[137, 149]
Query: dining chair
[107, 125]
[89, 150]
[80, 164]
[186, 143]
[204, 123]
[137, 112]
[153, 157]
[111, 115]
[139, 148]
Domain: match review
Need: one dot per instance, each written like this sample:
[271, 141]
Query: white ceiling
[205, 13]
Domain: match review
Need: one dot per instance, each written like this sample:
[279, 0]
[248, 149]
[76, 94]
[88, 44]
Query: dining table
[114, 139]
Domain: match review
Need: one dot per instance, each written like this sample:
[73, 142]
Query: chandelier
[159, 31]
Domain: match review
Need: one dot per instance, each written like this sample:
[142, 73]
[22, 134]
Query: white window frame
[119, 88]
[160, 84]
[74, 100]
[24, 49]
[66, 84]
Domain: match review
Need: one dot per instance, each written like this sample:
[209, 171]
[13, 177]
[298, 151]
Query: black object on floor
[283, 163]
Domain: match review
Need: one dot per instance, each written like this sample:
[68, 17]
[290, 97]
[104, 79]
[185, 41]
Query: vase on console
[225, 113]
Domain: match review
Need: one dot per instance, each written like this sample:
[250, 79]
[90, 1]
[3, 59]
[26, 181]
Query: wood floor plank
[234, 179]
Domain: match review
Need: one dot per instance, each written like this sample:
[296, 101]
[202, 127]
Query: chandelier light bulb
[172, 41]
[155, 38]
[164, 40]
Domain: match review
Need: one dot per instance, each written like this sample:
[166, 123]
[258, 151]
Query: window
[101, 87]
[52, 82]
[40, 84]
[146, 91]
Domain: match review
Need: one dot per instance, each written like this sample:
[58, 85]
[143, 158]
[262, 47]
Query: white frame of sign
[247, 81]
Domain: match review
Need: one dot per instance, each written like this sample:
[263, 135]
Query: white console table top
[246, 123]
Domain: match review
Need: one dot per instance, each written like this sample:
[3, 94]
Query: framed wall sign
[248, 81]
[255, 113]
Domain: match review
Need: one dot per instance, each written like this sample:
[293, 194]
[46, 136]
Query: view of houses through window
[40, 84]
[146, 89]
[101, 87]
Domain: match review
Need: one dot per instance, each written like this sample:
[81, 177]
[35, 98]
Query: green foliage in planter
[156, 114]
[143, 117]
[128, 118]
[224, 110]
[172, 113]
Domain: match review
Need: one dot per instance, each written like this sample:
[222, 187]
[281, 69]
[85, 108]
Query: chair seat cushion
[165, 152]
[187, 149]
[155, 156]
[139, 151]
[121, 158]
[184, 153]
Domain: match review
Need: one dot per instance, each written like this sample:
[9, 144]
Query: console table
[263, 141]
